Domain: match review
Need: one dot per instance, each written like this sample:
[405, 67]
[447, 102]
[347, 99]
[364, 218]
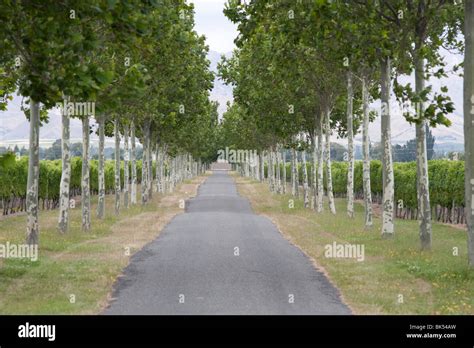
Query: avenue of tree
[302, 72]
[142, 67]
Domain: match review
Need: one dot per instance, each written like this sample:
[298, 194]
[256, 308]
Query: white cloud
[212, 23]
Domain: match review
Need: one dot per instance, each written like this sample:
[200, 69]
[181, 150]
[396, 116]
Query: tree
[54, 152]
[67, 52]
[76, 150]
[43, 40]
[429, 25]
[350, 146]
[430, 141]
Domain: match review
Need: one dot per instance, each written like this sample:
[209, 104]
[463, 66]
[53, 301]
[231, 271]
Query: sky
[211, 22]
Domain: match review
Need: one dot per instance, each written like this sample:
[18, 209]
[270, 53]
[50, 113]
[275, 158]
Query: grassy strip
[435, 282]
[75, 272]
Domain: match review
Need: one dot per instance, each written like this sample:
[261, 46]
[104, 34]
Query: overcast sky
[211, 22]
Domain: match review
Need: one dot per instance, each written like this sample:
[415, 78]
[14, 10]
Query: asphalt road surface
[221, 258]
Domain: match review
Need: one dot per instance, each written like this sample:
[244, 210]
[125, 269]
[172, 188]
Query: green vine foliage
[13, 176]
[446, 182]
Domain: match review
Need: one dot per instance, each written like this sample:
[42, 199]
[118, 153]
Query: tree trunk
[274, 169]
[117, 166]
[133, 159]
[172, 173]
[126, 174]
[256, 165]
[168, 173]
[332, 206]
[145, 164]
[63, 223]
[366, 155]
[270, 170]
[32, 226]
[85, 182]
[320, 166]
[297, 176]
[162, 168]
[284, 171]
[350, 147]
[305, 180]
[469, 126]
[423, 193]
[150, 166]
[388, 199]
[246, 166]
[314, 169]
[101, 200]
[293, 172]
[158, 170]
[278, 172]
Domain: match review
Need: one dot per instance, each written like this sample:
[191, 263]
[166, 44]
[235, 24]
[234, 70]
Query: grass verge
[395, 277]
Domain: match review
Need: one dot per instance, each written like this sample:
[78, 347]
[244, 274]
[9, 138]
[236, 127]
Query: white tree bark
[274, 182]
[126, 173]
[305, 179]
[271, 181]
[246, 166]
[172, 173]
[144, 184]
[469, 125]
[162, 168]
[278, 170]
[63, 223]
[158, 168]
[117, 167]
[332, 205]
[423, 193]
[297, 176]
[166, 169]
[284, 171]
[366, 156]
[314, 169]
[85, 185]
[293, 172]
[169, 172]
[133, 159]
[257, 166]
[350, 147]
[144, 177]
[320, 166]
[101, 169]
[149, 166]
[32, 226]
[387, 162]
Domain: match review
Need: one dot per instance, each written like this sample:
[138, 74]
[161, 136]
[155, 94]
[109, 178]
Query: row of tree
[137, 67]
[306, 69]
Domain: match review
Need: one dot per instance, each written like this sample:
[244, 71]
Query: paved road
[194, 260]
